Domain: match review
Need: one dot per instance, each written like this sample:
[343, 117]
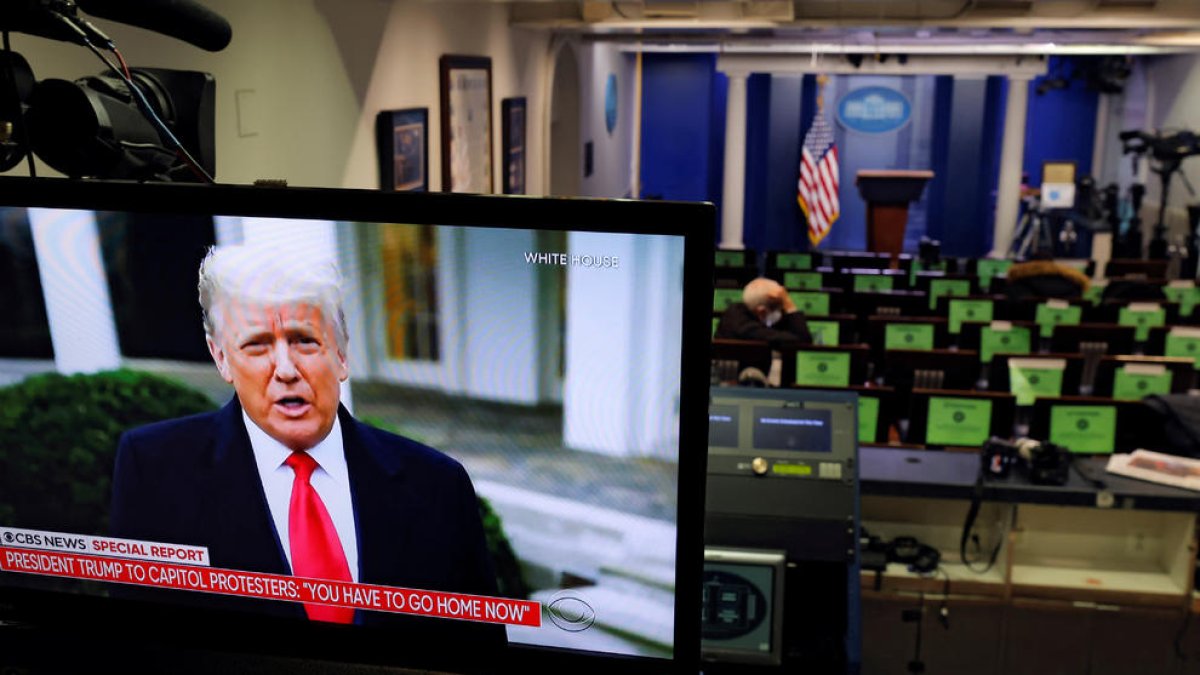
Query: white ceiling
[877, 26]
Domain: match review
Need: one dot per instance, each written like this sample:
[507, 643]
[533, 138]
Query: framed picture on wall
[402, 141]
[512, 140]
[466, 83]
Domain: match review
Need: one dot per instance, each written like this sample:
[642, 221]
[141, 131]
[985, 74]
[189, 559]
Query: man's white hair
[271, 275]
[758, 292]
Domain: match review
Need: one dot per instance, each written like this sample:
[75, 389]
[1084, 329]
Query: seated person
[1042, 277]
[765, 313]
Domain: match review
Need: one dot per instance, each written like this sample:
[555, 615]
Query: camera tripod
[1167, 154]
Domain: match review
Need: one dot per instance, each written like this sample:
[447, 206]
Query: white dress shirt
[331, 480]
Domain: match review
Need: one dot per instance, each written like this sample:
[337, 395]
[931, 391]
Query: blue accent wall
[993, 131]
[1061, 123]
[785, 229]
[678, 126]
[965, 198]
[943, 99]
[956, 130]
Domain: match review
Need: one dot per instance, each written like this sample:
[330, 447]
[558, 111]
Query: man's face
[284, 363]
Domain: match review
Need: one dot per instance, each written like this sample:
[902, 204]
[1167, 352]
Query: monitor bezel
[191, 628]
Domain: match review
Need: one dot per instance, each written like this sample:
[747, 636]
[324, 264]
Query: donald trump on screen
[282, 479]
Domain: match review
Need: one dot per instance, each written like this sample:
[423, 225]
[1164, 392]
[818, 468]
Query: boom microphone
[182, 19]
[42, 18]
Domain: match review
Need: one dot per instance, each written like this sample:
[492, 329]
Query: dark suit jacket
[738, 322]
[194, 481]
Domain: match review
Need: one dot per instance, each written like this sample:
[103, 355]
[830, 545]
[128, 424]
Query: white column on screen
[228, 230]
[1012, 158]
[655, 373]
[598, 374]
[620, 387]
[733, 194]
[83, 328]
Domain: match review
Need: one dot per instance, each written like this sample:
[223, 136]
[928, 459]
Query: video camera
[1167, 152]
[145, 124]
[1172, 148]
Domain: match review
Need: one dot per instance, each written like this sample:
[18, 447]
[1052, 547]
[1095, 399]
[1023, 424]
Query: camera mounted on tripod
[145, 124]
[1166, 153]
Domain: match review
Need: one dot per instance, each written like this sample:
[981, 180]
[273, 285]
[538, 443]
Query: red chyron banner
[272, 587]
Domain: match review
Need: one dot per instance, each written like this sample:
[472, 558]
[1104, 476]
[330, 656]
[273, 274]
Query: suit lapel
[242, 524]
[380, 506]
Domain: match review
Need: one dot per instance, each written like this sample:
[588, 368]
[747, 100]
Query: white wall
[610, 169]
[405, 75]
[300, 84]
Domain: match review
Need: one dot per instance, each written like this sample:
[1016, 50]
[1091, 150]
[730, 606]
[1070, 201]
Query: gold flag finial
[822, 80]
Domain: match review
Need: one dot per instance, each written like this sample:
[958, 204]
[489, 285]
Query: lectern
[888, 194]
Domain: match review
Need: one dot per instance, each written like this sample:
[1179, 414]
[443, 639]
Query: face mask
[773, 318]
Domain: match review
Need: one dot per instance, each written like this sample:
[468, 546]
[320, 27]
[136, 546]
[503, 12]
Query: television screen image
[463, 434]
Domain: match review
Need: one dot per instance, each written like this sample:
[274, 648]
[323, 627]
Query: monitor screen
[363, 416]
[793, 429]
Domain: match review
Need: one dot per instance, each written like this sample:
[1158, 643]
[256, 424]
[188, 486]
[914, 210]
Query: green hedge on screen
[58, 441]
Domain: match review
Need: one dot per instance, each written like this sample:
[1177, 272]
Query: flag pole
[817, 188]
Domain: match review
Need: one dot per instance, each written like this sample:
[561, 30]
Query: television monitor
[743, 605]
[514, 381]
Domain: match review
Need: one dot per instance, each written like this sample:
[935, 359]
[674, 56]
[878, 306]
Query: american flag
[817, 190]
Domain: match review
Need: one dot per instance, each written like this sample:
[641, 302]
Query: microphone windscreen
[185, 20]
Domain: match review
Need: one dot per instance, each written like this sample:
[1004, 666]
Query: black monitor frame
[104, 620]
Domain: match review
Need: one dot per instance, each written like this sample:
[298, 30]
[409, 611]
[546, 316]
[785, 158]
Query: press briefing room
[573, 336]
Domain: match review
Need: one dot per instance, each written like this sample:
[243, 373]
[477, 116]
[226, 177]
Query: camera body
[124, 123]
[1044, 463]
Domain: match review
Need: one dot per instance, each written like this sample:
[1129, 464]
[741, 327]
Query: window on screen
[409, 257]
[26, 333]
[150, 262]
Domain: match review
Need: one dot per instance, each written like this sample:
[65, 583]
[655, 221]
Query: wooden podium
[888, 194]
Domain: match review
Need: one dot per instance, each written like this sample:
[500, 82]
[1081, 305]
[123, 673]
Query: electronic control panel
[783, 434]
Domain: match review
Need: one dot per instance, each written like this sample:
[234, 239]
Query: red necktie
[316, 550]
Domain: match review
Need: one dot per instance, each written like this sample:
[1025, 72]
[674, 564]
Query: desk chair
[999, 372]
[937, 369]
[854, 360]
[934, 420]
[1183, 372]
[730, 357]
[1093, 338]
[887, 303]
[1132, 419]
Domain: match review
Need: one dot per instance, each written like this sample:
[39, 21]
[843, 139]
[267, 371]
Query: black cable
[1180, 654]
[917, 665]
[18, 125]
[972, 515]
[148, 111]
